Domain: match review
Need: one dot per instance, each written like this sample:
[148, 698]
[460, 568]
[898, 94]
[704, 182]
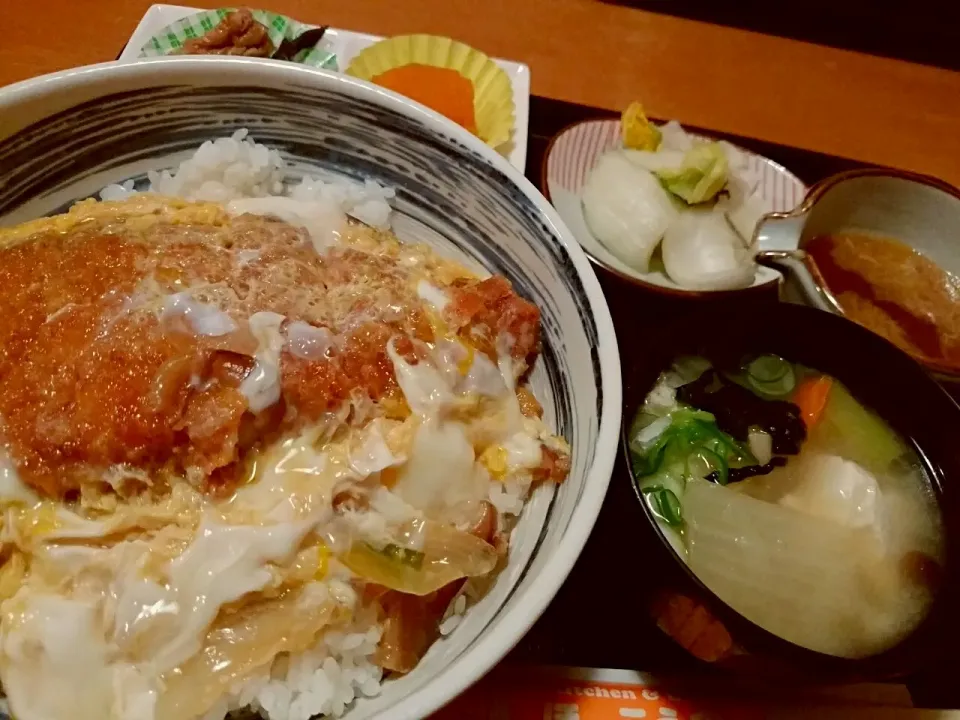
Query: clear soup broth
[791, 501]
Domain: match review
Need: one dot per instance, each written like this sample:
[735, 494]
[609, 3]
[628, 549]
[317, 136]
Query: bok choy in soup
[791, 501]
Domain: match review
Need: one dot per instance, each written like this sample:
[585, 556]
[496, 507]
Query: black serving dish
[884, 379]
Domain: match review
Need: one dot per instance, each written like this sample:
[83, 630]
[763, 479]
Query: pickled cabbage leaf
[637, 131]
[701, 175]
[701, 251]
[626, 207]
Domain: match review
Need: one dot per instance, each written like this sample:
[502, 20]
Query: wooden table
[866, 108]
[774, 90]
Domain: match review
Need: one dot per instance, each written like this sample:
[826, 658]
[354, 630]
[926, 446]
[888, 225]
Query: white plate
[345, 45]
[574, 152]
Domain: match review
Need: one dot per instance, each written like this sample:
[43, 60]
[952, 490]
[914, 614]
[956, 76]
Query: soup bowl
[65, 136]
[919, 211]
[883, 379]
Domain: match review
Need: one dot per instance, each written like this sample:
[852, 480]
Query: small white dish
[345, 45]
[574, 152]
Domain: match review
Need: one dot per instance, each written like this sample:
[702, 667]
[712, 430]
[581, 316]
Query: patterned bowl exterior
[64, 136]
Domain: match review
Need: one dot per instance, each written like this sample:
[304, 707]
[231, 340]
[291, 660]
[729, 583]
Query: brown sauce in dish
[894, 291]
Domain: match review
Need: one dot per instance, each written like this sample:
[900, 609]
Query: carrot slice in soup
[811, 397]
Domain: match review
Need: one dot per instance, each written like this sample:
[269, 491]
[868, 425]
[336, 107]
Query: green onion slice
[404, 556]
[768, 368]
[703, 463]
[665, 504]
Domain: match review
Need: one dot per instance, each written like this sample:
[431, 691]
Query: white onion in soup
[808, 580]
[761, 445]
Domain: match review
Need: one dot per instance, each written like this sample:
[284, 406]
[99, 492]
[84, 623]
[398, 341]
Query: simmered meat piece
[163, 344]
[237, 34]
[483, 310]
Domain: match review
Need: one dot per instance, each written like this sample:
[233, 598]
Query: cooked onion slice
[246, 641]
[447, 554]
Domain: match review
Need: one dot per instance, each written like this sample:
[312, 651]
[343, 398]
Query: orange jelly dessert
[442, 89]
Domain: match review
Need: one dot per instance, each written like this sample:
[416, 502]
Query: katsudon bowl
[65, 136]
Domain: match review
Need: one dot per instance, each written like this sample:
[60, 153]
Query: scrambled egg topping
[147, 590]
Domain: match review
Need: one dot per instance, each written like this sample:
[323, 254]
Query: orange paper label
[565, 698]
[523, 693]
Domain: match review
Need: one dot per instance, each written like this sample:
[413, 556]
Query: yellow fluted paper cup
[400, 63]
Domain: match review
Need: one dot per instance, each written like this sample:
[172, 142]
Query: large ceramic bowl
[64, 136]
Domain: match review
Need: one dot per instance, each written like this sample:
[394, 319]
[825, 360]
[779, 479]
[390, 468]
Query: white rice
[321, 682]
[236, 167]
[324, 680]
[507, 497]
[454, 614]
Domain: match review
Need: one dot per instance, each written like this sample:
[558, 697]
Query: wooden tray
[599, 617]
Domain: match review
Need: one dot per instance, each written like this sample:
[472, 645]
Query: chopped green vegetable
[776, 389]
[700, 177]
[704, 462]
[739, 406]
[665, 503]
[404, 556]
[771, 376]
[648, 463]
[689, 431]
[768, 368]
[690, 445]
